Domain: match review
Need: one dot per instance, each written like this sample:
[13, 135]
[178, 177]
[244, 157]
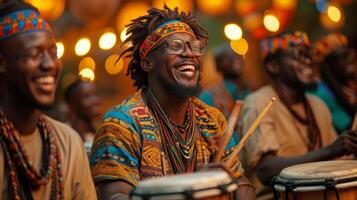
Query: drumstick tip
[273, 99]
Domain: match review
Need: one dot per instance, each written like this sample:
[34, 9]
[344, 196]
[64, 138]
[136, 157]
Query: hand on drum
[345, 144]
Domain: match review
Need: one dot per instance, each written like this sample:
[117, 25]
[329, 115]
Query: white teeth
[45, 80]
[187, 67]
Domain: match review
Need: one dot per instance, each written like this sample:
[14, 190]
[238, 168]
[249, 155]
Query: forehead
[30, 40]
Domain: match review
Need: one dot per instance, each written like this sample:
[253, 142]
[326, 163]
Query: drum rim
[283, 176]
[224, 188]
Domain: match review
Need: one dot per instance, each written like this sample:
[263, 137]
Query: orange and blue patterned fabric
[162, 31]
[327, 44]
[21, 22]
[127, 144]
[283, 41]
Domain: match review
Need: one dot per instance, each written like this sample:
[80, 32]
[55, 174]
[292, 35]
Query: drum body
[327, 180]
[203, 185]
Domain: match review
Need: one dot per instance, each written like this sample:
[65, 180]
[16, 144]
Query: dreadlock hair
[140, 28]
[9, 6]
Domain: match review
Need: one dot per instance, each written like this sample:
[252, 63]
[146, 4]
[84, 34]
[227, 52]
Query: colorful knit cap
[283, 41]
[162, 31]
[22, 21]
[327, 44]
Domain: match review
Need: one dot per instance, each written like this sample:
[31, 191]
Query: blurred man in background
[337, 85]
[84, 109]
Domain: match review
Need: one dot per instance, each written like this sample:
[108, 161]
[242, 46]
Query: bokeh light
[60, 49]
[123, 34]
[214, 7]
[113, 65]
[129, 11]
[107, 40]
[50, 9]
[86, 62]
[239, 46]
[284, 4]
[87, 74]
[271, 23]
[82, 47]
[233, 31]
[334, 13]
[183, 5]
[321, 5]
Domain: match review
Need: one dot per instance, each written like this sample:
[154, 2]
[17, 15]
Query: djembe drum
[202, 185]
[328, 180]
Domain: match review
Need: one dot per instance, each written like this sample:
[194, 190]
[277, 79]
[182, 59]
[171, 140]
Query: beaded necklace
[23, 177]
[181, 152]
[310, 121]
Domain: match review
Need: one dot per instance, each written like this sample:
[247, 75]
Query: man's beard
[178, 90]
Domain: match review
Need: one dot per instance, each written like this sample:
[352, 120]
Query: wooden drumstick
[354, 124]
[228, 132]
[234, 156]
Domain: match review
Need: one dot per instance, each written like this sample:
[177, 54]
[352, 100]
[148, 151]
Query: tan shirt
[78, 182]
[279, 131]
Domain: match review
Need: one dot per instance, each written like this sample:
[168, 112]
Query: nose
[49, 61]
[187, 51]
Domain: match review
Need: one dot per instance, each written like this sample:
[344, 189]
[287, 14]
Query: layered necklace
[181, 151]
[23, 177]
[310, 121]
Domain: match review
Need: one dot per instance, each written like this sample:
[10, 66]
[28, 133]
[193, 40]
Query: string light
[107, 40]
[87, 74]
[334, 13]
[271, 23]
[82, 47]
[233, 31]
[113, 65]
[60, 49]
[86, 62]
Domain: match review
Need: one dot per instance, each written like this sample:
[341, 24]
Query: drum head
[203, 183]
[318, 171]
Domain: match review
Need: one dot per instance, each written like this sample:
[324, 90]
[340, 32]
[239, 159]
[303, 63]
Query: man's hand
[345, 144]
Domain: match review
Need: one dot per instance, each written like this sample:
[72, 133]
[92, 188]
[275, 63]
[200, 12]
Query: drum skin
[202, 185]
[327, 180]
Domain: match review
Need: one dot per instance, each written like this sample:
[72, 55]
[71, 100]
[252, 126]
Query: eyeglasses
[178, 46]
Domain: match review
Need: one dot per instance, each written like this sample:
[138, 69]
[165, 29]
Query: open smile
[45, 83]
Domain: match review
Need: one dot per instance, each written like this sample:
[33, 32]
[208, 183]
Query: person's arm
[113, 190]
[115, 160]
[271, 165]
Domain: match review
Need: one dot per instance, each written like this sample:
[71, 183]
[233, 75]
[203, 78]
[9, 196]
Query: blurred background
[89, 34]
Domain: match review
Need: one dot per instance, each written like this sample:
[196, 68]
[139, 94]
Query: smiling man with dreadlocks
[162, 129]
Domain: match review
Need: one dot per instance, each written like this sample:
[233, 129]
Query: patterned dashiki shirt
[127, 144]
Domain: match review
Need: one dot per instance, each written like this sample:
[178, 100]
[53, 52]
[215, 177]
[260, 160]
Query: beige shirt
[78, 182]
[279, 131]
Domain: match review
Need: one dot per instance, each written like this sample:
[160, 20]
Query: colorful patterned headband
[327, 44]
[21, 22]
[284, 41]
[164, 30]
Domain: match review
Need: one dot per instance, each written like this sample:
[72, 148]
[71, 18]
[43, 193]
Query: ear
[273, 68]
[2, 64]
[145, 65]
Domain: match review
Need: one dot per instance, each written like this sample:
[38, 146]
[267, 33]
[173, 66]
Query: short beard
[180, 91]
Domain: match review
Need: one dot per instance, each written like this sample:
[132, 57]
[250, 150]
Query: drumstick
[354, 124]
[234, 156]
[228, 132]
